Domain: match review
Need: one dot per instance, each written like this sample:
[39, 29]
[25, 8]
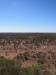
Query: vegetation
[41, 57]
[27, 49]
[10, 67]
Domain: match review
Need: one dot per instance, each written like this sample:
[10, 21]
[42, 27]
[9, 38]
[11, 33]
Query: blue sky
[27, 15]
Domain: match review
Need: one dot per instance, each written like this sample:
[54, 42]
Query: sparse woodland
[27, 54]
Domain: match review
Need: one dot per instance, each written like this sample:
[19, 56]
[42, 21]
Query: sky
[27, 15]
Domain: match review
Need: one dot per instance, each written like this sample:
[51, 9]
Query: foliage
[10, 67]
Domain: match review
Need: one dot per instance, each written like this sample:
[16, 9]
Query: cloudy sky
[27, 15]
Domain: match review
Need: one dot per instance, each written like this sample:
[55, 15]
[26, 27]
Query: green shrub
[10, 67]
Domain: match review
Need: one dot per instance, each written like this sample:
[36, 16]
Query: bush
[10, 67]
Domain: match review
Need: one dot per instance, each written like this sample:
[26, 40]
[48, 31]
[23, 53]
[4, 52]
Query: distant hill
[13, 35]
